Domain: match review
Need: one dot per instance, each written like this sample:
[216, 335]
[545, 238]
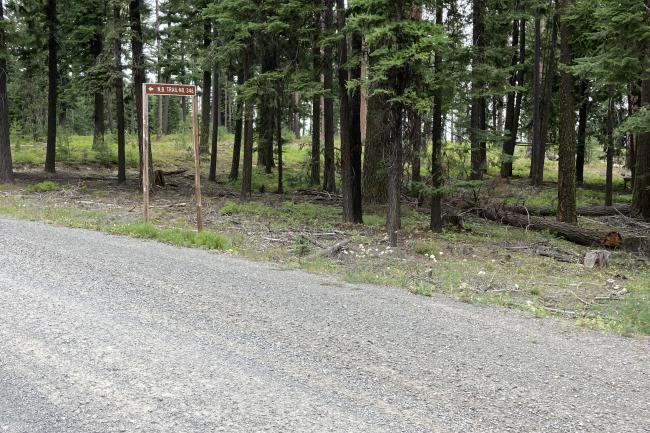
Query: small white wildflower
[481, 272]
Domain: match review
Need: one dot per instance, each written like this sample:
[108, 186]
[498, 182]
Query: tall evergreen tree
[566, 211]
[52, 92]
[6, 168]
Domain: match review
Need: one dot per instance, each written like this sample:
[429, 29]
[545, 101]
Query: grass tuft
[45, 186]
[174, 236]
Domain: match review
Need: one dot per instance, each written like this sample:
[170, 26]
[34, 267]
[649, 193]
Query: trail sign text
[170, 89]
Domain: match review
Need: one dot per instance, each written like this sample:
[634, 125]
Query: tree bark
[477, 118]
[236, 148]
[266, 118]
[543, 94]
[137, 41]
[566, 184]
[206, 92]
[329, 168]
[537, 153]
[52, 94]
[354, 135]
[6, 167]
[278, 133]
[247, 171]
[216, 92]
[315, 106]
[119, 98]
[582, 133]
[295, 115]
[510, 141]
[609, 152]
[617, 209]
[641, 188]
[159, 104]
[566, 231]
[415, 124]
[436, 139]
[375, 157]
[515, 98]
[96, 47]
[393, 218]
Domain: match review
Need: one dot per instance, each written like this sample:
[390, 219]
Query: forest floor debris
[487, 263]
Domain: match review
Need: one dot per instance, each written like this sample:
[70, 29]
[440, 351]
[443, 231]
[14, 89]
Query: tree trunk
[236, 148]
[641, 188]
[215, 125]
[393, 218]
[477, 118]
[295, 116]
[617, 209]
[582, 133]
[609, 152]
[329, 168]
[566, 184]
[278, 132]
[546, 107]
[436, 138]
[364, 92]
[247, 172]
[415, 120]
[354, 136]
[137, 41]
[98, 135]
[119, 98]
[206, 91]
[266, 119]
[6, 167]
[510, 141]
[315, 106]
[346, 119]
[375, 157]
[537, 151]
[50, 152]
[159, 104]
[566, 231]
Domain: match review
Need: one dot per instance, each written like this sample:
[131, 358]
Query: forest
[344, 130]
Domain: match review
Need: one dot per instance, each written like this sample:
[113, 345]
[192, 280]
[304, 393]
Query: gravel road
[108, 334]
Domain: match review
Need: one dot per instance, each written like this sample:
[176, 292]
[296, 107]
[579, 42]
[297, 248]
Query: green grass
[287, 211]
[173, 236]
[45, 186]
[101, 221]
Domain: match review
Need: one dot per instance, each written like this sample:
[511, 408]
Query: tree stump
[597, 258]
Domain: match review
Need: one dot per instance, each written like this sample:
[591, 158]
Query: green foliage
[426, 247]
[174, 236]
[45, 186]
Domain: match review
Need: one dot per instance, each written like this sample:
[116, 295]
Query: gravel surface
[107, 334]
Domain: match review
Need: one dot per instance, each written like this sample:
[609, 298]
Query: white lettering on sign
[170, 89]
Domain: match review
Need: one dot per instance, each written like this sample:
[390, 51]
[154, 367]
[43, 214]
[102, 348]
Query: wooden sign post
[170, 90]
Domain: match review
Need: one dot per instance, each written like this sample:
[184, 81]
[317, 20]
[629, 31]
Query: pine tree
[566, 211]
[52, 93]
[6, 169]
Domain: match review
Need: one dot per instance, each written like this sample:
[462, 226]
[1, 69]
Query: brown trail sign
[172, 90]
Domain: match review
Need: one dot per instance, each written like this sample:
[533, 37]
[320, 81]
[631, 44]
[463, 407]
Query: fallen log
[159, 176]
[578, 235]
[618, 209]
[332, 251]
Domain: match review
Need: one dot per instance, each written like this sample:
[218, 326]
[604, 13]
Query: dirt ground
[484, 262]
